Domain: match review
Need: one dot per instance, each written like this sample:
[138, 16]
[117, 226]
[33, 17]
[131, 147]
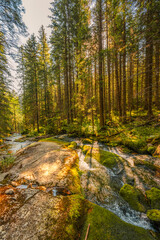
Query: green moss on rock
[72, 145]
[157, 152]
[145, 163]
[58, 141]
[154, 197]
[85, 149]
[72, 211]
[106, 225]
[151, 149]
[87, 141]
[107, 159]
[75, 173]
[133, 196]
[154, 215]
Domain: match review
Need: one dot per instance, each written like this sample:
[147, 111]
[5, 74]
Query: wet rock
[62, 137]
[22, 186]
[116, 183]
[14, 198]
[42, 188]
[9, 191]
[130, 180]
[14, 184]
[56, 191]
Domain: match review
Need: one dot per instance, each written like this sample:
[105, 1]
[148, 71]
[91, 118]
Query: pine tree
[44, 71]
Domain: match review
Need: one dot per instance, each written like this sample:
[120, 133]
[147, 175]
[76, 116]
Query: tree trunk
[124, 66]
[101, 103]
[157, 75]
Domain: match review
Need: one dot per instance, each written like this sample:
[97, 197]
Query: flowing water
[15, 146]
[100, 184]
[97, 184]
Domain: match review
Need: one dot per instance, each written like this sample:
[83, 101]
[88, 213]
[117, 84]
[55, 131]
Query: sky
[36, 15]
[37, 12]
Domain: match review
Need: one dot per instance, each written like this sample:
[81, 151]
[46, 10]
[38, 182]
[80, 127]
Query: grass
[7, 163]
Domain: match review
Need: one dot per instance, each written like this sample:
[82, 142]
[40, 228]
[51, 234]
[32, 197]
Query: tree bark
[101, 103]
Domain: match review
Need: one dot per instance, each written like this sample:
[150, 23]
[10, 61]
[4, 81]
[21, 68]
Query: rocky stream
[51, 190]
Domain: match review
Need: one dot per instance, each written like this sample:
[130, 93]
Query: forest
[90, 90]
[100, 65]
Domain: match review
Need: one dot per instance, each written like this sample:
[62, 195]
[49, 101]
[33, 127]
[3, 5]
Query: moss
[106, 225]
[112, 144]
[87, 141]
[126, 150]
[74, 218]
[103, 139]
[137, 138]
[107, 159]
[154, 215]
[75, 173]
[157, 151]
[148, 164]
[51, 139]
[154, 197]
[85, 149]
[133, 196]
[151, 149]
[136, 144]
[156, 140]
[73, 211]
[72, 145]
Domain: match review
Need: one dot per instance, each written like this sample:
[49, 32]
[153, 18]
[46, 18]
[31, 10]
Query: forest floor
[48, 192]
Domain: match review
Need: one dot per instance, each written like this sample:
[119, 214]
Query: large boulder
[133, 196]
[154, 197]
[45, 163]
[154, 216]
[35, 213]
